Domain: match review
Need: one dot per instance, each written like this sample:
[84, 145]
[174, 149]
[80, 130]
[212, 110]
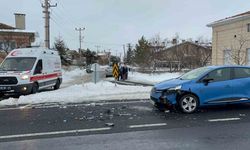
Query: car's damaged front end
[165, 93]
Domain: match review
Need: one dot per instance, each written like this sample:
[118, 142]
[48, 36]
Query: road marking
[53, 133]
[147, 125]
[223, 119]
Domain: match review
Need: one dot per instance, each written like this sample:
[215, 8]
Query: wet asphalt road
[123, 125]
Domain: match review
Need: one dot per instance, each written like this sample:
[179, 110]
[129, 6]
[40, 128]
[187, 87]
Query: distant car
[109, 71]
[88, 69]
[213, 85]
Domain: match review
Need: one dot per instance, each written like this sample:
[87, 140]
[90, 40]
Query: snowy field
[152, 78]
[74, 90]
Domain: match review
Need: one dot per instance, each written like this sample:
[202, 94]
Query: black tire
[1, 95]
[34, 88]
[188, 103]
[57, 85]
[160, 107]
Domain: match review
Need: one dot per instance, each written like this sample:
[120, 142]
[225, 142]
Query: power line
[59, 25]
[62, 19]
[66, 16]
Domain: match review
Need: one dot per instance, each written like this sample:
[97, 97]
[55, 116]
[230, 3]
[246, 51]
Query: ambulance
[28, 70]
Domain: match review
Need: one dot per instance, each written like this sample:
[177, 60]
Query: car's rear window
[241, 73]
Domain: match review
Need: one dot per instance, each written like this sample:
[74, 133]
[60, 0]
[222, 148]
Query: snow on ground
[74, 91]
[81, 93]
[70, 75]
[152, 78]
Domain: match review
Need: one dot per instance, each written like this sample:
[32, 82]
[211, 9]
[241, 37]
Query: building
[231, 40]
[103, 58]
[15, 37]
[188, 55]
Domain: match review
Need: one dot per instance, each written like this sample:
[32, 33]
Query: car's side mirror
[207, 80]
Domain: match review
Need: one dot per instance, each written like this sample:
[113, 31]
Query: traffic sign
[115, 71]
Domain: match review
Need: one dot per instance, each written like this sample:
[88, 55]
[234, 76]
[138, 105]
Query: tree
[114, 59]
[130, 54]
[90, 56]
[7, 44]
[238, 51]
[203, 57]
[61, 47]
[142, 53]
[157, 45]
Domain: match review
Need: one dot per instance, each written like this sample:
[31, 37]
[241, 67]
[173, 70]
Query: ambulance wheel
[34, 88]
[1, 94]
[57, 86]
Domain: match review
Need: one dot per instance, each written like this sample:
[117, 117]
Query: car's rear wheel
[188, 103]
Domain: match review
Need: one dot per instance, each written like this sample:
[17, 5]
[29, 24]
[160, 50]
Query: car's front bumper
[164, 97]
[20, 89]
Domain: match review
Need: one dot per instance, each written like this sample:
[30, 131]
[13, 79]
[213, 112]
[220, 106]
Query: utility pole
[97, 48]
[124, 54]
[80, 37]
[109, 55]
[46, 12]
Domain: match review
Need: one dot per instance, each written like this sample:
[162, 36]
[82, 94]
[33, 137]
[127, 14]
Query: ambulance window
[39, 67]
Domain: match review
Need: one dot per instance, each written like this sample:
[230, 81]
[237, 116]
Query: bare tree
[6, 44]
[156, 44]
[238, 51]
[203, 52]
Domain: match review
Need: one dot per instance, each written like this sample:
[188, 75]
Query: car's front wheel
[1, 95]
[188, 103]
[34, 89]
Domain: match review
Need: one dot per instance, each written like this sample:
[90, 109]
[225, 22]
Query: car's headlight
[175, 88]
[153, 90]
[25, 77]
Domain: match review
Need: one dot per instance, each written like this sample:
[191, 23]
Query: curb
[132, 83]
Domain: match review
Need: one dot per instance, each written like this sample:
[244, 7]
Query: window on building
[248, 27]
[227, 57]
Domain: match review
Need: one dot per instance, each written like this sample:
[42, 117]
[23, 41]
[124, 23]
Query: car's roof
[227, 66]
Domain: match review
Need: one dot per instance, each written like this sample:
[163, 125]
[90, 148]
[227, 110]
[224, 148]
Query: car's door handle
[227, 86]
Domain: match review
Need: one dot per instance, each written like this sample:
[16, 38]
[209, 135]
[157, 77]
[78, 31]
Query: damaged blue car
[212, 85]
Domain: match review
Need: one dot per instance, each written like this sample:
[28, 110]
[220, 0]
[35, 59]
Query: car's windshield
[18, 64]
[194, 74]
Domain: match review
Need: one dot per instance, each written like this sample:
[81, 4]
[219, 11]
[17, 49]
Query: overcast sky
[112, 23]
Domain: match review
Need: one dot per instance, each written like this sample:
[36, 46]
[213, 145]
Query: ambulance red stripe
[43, 77]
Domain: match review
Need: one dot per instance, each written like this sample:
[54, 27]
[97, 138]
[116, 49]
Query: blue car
[212, 85]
